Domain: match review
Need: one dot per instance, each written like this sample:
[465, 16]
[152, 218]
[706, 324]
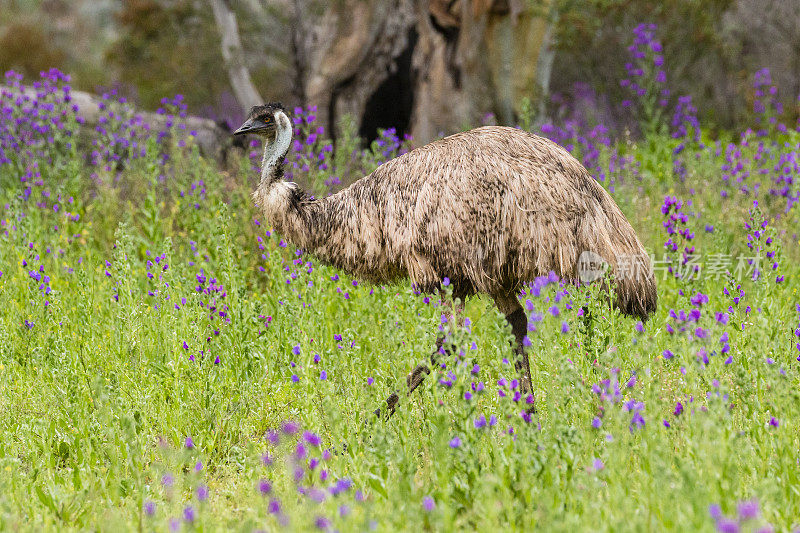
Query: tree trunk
[473, 58]
[351, 51]
[544, 65]
[426, 66]
[243, 88]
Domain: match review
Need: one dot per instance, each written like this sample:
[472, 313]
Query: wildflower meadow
[169, 363]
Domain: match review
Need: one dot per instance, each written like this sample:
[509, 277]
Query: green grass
[99, 395]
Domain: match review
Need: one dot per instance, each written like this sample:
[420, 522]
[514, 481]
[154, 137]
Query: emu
[491, 209]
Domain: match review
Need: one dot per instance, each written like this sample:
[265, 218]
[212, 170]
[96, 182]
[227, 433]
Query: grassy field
[166, 362]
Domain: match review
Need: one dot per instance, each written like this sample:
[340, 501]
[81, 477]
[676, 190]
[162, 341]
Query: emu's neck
[275, 152]
[334, 229]
[285, 206]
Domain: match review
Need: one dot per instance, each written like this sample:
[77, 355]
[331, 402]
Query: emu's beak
[252, 125]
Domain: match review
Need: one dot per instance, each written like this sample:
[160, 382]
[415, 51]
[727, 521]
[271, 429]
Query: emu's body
[490, 209]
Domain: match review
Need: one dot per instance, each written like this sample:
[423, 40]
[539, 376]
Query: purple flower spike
[428, 504]
[715, 511]
[526, 341]
[290, 428]
[726, 525]
[312, 438]
[300, 451]
[748, 510]
[149, 508]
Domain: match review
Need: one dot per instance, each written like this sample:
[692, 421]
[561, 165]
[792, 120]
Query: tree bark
[350, 51]
[298, 50]
[242, 85]
[544, 64]
[473, 58]
[462, 59]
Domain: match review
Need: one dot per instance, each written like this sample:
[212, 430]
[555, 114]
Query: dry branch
[233, 55]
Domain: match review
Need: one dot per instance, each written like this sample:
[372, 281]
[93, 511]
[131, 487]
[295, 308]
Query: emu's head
[266, 121]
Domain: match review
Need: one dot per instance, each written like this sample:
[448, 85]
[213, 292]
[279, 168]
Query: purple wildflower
[748, 510]
[428, 504]
[149, 508]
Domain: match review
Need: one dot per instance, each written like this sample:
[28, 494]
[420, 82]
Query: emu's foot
[415, 378]
[391, 403]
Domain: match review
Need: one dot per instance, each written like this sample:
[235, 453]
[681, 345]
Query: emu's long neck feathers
[334, 228]
[275, 152]
[292, 212]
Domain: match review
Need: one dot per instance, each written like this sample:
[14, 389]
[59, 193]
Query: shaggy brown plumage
[491, 209]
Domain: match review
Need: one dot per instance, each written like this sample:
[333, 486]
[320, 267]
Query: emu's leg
[519, 323]
[417, 376]
[515, 315]
[588, 330]
[414, 379]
